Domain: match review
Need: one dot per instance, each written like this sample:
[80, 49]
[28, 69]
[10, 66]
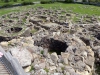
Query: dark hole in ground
[57, 46]
[52, 45]
[98, 36]
[14, 30]
[4, 38]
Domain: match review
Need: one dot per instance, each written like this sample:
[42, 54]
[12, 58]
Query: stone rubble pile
[48, 42]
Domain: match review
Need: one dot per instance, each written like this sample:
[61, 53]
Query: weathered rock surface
[47, 42]
[22, 55]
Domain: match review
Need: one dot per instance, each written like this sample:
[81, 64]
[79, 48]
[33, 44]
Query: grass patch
[75, 8]
[63, 68]
[46, 2]
[16, 1]
[47, 70]
[27, 3]
[32, 68]
[42, 52]
[8, 10]
[33, 31]
[75, 19]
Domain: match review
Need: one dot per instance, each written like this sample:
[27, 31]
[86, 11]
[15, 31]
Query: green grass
[18, 1]
[8, 10]
[33, 31]
[32, 68]
[75, 8]
[47, 70]
[42, 52]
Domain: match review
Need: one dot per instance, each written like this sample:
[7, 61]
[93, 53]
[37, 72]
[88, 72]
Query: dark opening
[4, 38]
[85, 40]
[57, 46]
[98, 36]
[14, 30]
[52, 45]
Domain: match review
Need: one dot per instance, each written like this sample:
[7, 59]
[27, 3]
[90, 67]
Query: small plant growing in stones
[32, 68]
[33, 31]
[62, 68]
[47, 70]
[42, 52]
[9, 43]
[51, 51]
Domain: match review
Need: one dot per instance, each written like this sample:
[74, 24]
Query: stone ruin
[51, 42]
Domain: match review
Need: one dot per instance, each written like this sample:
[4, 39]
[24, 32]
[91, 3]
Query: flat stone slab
[51, 24]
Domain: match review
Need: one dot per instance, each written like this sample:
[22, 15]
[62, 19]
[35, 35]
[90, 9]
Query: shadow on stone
[85, 40]
[52, 45]
[98, 36]
[57, 46]
[14, 30]
[4, 38]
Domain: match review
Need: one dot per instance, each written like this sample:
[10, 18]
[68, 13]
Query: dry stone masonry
[52, 41]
